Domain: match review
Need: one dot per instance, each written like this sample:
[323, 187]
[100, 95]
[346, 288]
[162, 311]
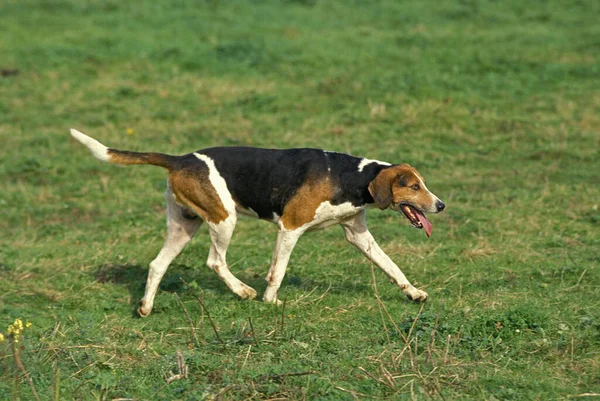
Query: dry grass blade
[389, 385]
[379, 304]
[252, 330]
[447, 349]
[431, 344]
[17, 357]
[282, 312]
[412, 327]
[212, 323]
[181, 368]
[56, 381]
[191, 322]
[383, 307]
[354, 394]
[283, 376]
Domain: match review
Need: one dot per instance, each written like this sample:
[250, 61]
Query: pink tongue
[426, 224]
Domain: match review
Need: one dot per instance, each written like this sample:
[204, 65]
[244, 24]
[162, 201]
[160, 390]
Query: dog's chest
[327, 214]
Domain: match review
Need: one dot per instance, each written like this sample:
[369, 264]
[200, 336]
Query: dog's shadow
[133, 277]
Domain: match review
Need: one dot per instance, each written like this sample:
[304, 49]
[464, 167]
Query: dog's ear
[380, 188]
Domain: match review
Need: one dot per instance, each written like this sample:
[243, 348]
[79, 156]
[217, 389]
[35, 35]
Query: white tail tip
[98, 150]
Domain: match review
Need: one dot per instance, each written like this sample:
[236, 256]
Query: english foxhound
[300, 190]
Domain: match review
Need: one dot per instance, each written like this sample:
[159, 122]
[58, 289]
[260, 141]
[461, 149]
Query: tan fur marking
[126, 158]
[302, 207]
[422, 198]
[193, 189]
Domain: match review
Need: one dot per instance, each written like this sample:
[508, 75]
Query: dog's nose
[439, 205]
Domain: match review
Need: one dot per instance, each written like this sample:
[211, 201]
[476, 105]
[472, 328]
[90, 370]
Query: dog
[300, 190]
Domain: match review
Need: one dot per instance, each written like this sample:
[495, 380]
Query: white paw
[272, 300]
[144, 309]
[247, 293]
[415, 295]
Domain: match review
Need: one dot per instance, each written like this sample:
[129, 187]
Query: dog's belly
[246, 211]
[249, 212]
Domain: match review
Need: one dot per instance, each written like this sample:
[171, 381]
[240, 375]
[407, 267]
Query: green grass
[496, 103]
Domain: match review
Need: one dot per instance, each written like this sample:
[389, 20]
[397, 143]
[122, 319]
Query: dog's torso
[265, 182]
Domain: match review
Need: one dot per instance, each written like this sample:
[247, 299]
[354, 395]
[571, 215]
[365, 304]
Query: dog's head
[402, 188]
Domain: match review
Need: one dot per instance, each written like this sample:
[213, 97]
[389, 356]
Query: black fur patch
[264, 180]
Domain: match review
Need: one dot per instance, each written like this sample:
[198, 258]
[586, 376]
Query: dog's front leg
[286, 241]
[358, 235]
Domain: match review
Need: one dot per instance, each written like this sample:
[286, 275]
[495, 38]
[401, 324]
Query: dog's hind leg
[181, 227]
[220, 236]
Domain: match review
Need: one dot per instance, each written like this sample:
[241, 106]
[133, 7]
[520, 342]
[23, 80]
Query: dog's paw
[272, 300]
[248, 293]
[144, 310]
[416, 295]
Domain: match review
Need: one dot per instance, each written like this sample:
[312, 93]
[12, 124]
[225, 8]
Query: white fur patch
[218, 183]
[327, 215]
[365, 162]
[98, 150]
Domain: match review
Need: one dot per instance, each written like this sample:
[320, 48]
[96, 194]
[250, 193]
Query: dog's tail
[123, 157]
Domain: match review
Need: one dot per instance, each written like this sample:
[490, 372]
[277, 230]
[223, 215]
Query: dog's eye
[416, 187]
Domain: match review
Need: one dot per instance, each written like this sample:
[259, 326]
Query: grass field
[496, 103]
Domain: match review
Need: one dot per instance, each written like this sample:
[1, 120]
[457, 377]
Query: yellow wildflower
[15, 330]
[1, 337]
[129, 131]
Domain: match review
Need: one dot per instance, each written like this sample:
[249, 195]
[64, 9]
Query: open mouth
[416, 218]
